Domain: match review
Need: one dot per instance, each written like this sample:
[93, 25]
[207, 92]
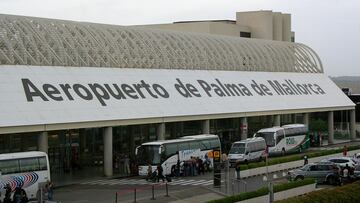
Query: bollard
[134, 195]
[116, 197]
[167, 190]
[153, 195]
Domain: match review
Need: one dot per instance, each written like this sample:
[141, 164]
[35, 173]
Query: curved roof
[49, 42]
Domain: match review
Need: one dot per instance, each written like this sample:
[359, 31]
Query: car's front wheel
[331, 180]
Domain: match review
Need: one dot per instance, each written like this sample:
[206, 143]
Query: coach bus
[26, 170]
[287, 138]
[168, 152]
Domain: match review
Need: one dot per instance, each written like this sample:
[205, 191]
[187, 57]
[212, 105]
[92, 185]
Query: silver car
[323, 172]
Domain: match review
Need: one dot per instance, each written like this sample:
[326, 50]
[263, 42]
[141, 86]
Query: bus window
[171, 149]
[205, 144]
[28, 165]
[42, 163]
[9, 166]
[194, 145]
[214, 144]
[279, 136]
[183, 146]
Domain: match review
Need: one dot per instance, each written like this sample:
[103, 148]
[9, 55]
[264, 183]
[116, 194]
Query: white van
[247, 150]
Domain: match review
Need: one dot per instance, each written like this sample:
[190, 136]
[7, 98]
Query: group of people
[20, 195]
[192, 167]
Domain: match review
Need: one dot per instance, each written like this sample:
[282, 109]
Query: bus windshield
[237, 148]
[268, 136]
[148, 154]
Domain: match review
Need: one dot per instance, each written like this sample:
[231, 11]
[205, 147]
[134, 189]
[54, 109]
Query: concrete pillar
[352, 125]
[108, 151]
[43, 144]
[270, 121]
[243, 128]
[306, 119]
[277, 120]
[293, 118]
[331, 127]
[161, 131]
[206, 126]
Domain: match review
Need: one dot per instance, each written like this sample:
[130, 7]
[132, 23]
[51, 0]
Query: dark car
[323, 172]
[357, 172]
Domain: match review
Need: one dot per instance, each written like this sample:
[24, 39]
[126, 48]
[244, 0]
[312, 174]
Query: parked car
[357, 172]
[323, 172]
[341, 161]
[357, 158]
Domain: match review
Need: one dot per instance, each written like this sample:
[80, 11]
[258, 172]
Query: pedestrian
[306, 161]
[149, 172]
[237, 169]
[345, 150]
[160, 173]
[7, 198]
[346, 173]
[20, 195]
[50, 190]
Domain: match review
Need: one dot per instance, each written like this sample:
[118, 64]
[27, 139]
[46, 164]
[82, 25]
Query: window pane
[42, 163]
[27, 165]
[194, 145]
[9, 166]
[183, 146]
[171, 149]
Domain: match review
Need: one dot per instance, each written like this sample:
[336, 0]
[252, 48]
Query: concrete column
[206, 126]
[306, 119]
[43, 144]
[161, 131]
[243, 128]
[270, 121]
[331, 127]
[352, 125]
[108, 151]
[277, 120]
[293, 118]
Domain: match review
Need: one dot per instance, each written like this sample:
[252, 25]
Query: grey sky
[330, 27]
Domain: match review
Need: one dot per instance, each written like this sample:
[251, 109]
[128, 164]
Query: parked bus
[247, 150]
[168, 152]
[24, 169]
[287, 138]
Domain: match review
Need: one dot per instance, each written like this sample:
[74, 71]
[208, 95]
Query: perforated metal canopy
[49, 42]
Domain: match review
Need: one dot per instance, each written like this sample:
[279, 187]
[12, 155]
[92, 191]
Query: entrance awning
[50, 96]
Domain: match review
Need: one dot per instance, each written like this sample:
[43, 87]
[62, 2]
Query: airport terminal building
[86, 93]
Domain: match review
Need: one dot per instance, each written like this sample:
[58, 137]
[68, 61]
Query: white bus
[25, 169]
[287, 138]
[247, 150]
[167, 152]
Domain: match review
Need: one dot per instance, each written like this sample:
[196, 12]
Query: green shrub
[347, 193]
[263, 191]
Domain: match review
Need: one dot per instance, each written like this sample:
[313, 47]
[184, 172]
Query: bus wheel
[283, 151]
[246, 162]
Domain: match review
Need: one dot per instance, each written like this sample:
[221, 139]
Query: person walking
[237, 169]
[160, 173]
[306, 161]
[20, 195]
[7, 198]
[50, 190]
[345, 150]
[149, 173]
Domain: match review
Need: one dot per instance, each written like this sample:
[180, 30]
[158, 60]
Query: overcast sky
[330, 27]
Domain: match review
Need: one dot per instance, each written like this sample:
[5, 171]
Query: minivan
[247, 150]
